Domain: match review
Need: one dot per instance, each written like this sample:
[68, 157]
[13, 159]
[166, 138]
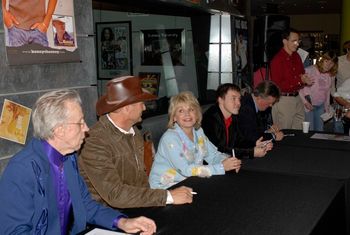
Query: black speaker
[267, 40]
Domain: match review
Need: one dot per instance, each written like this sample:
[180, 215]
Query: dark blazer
[252, 124]
[28, 201]
[214, 128]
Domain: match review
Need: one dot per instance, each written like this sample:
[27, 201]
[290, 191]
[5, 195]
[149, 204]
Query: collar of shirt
[55, 157]
[131, 131]
[256, 107]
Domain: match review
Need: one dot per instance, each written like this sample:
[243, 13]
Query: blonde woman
[184, 147]
[316, 97]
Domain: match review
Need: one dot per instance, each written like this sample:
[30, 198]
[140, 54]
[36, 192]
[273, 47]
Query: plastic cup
[306, 126]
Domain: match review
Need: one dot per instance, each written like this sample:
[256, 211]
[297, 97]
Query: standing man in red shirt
[287, 71]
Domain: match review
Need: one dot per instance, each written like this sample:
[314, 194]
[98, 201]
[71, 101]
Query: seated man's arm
[17, 192]
[247, 127]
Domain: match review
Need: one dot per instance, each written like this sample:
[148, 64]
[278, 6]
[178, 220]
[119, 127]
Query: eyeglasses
[82, 124]
[295, 41]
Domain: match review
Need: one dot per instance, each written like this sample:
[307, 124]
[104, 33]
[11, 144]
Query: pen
[234, 155]
[194, 193]
[289, 134]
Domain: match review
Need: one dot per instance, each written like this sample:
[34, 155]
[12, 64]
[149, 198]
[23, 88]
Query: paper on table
[330, 137]
[303, 54]
[98, 231]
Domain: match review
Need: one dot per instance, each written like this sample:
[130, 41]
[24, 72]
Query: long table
[301, 187]
[304, 140]
[254, 203]
[303, 156]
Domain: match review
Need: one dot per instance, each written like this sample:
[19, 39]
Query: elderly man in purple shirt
[41, 191]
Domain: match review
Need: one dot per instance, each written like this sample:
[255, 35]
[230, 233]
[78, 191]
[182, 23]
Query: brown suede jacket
[112, 165]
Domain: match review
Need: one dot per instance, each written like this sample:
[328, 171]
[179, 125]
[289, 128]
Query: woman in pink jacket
[316, 97]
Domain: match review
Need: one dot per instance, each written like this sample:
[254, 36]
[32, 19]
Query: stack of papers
[336, 137]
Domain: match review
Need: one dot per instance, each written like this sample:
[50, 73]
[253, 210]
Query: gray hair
[50, 111]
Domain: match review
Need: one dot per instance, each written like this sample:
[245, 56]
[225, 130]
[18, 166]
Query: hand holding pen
[236, 160]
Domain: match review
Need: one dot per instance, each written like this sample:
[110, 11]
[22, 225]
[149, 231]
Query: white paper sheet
[98, 231]
[331, 137]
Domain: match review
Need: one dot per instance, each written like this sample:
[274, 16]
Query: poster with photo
[14, 122]
[157, 46]
[150, 81]
[37, 33]
[114, 49]
[241, 42]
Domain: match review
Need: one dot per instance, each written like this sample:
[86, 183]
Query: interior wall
[185, 75]
[328, 23]
[24, 84]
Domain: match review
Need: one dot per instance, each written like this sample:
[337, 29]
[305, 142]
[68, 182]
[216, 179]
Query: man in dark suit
[254, 118]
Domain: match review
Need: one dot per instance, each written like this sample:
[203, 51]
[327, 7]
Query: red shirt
[228, 122]
[286, 71]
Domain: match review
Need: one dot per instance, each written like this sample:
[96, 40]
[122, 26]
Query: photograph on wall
[114, 49]
[31, 30]
[163, 47]
[14, 122]
[63, 31]
[241, 42]
[150, 81]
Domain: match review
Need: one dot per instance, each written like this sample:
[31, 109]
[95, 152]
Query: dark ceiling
[296, 7]
[258, 7]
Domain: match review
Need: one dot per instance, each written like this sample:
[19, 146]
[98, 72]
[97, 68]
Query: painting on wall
[47, 37]
[150, 81]
[114, 49]
[163, 47]
[14, 121]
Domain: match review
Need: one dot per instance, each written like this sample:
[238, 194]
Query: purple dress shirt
[64, 202]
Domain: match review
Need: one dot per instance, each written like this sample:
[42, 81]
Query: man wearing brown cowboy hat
[111, 160]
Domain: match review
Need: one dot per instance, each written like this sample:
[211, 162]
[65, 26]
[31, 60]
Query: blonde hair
[329, 55]
[187, 98]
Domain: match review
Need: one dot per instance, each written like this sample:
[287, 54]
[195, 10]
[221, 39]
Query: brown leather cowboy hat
[122, 91]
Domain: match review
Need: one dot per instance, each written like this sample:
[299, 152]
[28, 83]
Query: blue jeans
[338, 126]
[19, 37]
[313, 116]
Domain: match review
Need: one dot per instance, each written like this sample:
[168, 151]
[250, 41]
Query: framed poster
[163, 47]
[48, 37]
[114, 49]
[150, 81]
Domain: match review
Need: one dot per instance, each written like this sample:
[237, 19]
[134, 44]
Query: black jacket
[252, 124]
[213, 125]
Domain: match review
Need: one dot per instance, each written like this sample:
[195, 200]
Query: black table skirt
[303, 140]
[249, 203]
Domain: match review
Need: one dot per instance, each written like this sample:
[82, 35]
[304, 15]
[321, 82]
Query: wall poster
[241, 42]
[40, 31]
[114, 49]
[150, 81]
[14, 121]
[163, 47]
